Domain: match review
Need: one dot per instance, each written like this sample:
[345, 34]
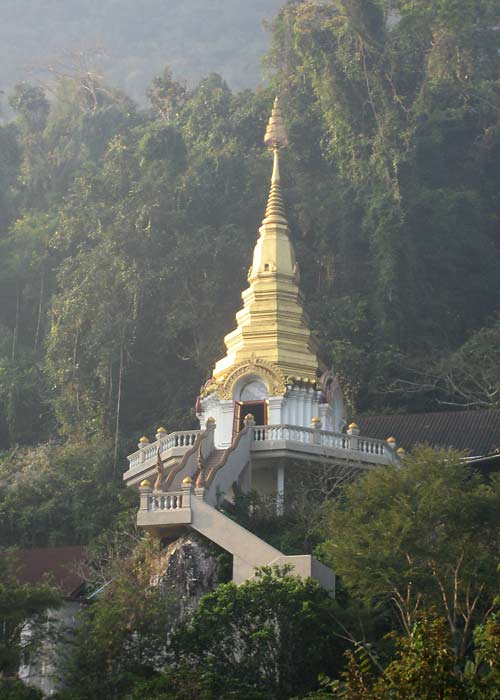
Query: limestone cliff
[188, 568]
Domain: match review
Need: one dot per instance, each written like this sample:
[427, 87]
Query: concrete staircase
[214, 459]
[185, 504]
[160, 512]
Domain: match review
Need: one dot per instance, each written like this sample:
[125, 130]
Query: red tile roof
[62, 567]
[475, 431]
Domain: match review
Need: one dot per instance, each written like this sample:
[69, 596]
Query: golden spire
[275, 138]
[272, 326]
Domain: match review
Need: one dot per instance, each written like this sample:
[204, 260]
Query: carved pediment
[273, 377]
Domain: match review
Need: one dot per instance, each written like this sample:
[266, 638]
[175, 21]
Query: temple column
[309, 415]
[225, 422]
[275, 410]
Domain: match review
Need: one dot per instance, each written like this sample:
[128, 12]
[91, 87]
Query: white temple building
[270, 403]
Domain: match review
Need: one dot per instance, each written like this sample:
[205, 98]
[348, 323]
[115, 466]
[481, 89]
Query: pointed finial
[275, 136]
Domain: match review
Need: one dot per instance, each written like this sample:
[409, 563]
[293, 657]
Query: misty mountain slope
[194, 37]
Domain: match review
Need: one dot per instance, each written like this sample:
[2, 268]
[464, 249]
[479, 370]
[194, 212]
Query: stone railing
[174, 500]
[322, 438]
[222, 476]
[181, 438]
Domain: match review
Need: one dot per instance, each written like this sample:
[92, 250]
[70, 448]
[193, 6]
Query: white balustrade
[175, 500]
[322, 438]
[181, 438]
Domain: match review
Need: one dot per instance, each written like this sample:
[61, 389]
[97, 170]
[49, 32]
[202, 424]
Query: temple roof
[61, 567]
[478, 432]
[272, 326]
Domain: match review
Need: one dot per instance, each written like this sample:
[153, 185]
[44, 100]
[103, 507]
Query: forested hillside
[129, 41]
[126, 234]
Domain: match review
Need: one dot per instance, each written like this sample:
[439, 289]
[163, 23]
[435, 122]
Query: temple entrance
[258, 409]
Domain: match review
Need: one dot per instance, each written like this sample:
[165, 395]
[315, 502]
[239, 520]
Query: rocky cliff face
[187, 569]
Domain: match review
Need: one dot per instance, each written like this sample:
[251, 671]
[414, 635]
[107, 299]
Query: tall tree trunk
[15, 334]
[118, 406]
[75, 378]
[40, 307]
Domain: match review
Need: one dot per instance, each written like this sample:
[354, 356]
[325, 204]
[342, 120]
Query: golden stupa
[272, 333]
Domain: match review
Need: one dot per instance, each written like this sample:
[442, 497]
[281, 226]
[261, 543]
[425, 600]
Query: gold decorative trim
[209, 388]
[272, 375]
[274, 378]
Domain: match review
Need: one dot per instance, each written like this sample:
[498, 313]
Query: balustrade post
[145, 491]
[316, 425]
[249, 421]
[141, 445]
[391, 441]
[160, 433]
[353, 432]
[187, 490]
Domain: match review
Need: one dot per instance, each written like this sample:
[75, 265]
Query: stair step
[214, 458]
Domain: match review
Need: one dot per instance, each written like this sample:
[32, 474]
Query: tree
[276, 633]
[425, 533]
[48, 492]
[13, 689]
[483, 672]
[424, 668]
[185, 683]
[470, 378]
[167, 96]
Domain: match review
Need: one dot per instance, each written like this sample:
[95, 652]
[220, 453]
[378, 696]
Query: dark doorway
[258, 409]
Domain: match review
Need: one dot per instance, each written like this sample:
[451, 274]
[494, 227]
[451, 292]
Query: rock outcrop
[189, 568]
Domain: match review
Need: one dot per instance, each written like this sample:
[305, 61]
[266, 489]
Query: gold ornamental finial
[276, 133]
[275, 138]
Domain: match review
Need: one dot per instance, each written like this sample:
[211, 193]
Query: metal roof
[478, 432]
[61, 567]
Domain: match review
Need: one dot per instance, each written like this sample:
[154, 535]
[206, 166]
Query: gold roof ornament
[145, 484]
[275, 136]
[272, 336]
[391, 440]
[144, 440]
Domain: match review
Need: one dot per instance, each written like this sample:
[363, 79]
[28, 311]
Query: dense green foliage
[424, 667]
[12, 689]
[276, 634]
[426, 535]
[49, 492]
